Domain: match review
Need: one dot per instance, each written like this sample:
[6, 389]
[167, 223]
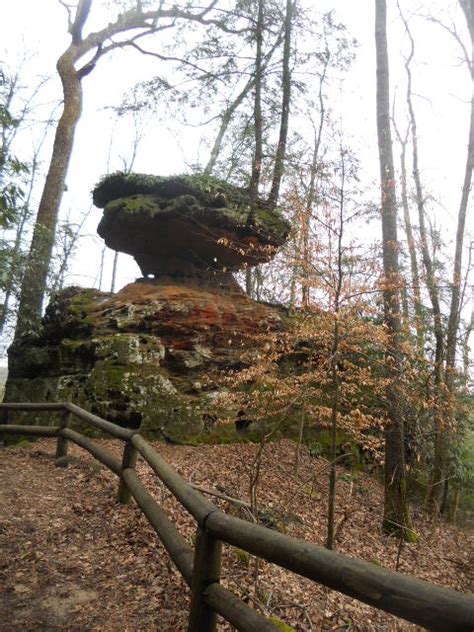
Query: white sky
[40, 27]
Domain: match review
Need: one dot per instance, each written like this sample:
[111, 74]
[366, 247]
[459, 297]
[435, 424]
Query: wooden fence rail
[420, 602]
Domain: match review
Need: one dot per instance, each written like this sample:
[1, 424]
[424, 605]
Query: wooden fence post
[4, 420]
[129, 460]
[62, 444]
[206, 571]
[4, 416]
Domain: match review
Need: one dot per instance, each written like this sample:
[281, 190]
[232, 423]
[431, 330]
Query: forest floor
[72, 558]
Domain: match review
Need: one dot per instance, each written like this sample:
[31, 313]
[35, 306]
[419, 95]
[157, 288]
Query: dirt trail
[71, 558]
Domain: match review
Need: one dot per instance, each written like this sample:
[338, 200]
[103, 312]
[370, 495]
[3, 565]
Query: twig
[230, 499]
[341, 521]
[399, 553]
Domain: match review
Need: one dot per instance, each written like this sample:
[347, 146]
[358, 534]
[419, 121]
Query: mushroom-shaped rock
[178, 225]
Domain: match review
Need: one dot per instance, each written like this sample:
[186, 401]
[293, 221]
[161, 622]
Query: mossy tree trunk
[396, 519]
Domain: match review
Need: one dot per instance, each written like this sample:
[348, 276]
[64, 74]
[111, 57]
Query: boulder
[186, 225]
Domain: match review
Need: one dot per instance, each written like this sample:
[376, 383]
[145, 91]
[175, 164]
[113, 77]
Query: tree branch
[89, 67]
[82, 13]
[69, 15]
[453, 32]
[135, 19]
[180, 60]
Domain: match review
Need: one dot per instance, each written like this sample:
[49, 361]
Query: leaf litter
[72, 558]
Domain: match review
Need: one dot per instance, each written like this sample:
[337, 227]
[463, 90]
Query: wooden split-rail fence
[420, 602]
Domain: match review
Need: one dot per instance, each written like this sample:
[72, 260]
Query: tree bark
[114, 272]
[435, 493]
[454, 312]
[255, 176]
[425, 251]
[335, 381]
[396, 520]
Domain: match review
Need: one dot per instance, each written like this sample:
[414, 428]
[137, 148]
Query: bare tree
[415, 276]
[17, 178]
[311, 196]
[258, 124]
[431, 281]
[334, 361]
[445, 426]
[73, 65]
[396, 518]
[456, 293]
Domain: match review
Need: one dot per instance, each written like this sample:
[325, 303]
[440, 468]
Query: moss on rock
[138, 358]
[173, 225]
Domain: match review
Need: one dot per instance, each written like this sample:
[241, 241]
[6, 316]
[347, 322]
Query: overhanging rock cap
[170, 223]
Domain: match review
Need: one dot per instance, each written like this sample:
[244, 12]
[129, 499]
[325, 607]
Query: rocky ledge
[142, 357]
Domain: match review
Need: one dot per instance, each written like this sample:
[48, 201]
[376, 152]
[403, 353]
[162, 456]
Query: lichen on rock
[186, 224]
[138, 357]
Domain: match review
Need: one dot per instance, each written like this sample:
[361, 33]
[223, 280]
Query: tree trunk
[255, 176]
[34, 280]
[226, 119]
[405, 307]
[425, 251]
[418, 307]
[114, 272]
[396, 520]
[455, 307]
[335, 381]
[305, 254]
[285, 108]
[453, 510]
[310, 199]
[19, 235]
[442, 437]
[434, 498]
[258, 124]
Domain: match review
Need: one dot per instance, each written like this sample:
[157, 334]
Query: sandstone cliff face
[141, 357]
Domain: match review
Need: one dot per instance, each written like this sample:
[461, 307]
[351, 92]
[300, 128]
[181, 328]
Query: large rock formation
[139, 357]
[142, 357]
[186, 225]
